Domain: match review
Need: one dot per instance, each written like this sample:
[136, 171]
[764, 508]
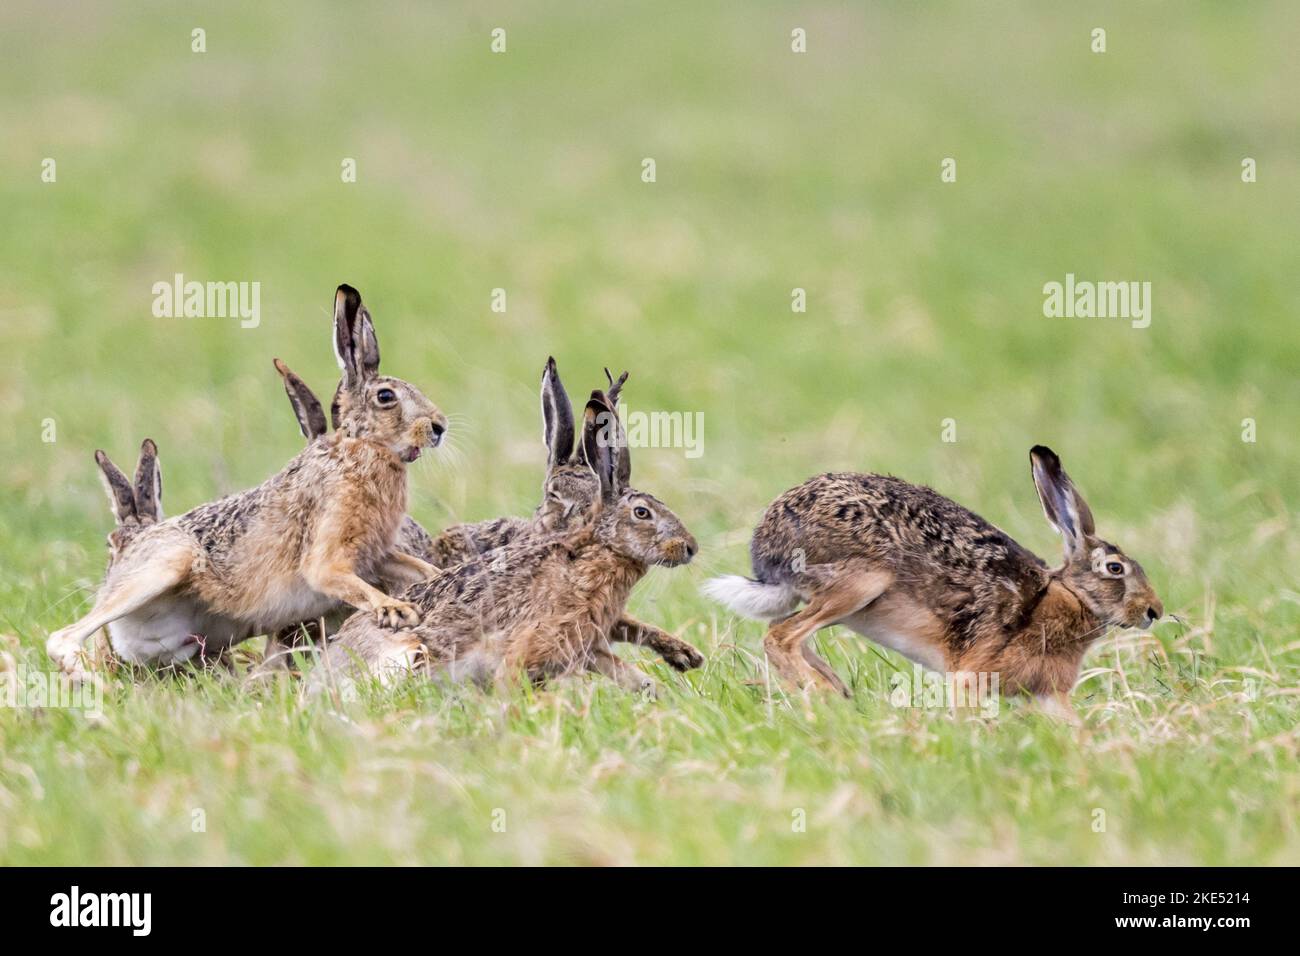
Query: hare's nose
[436, 429]
[1154, 613]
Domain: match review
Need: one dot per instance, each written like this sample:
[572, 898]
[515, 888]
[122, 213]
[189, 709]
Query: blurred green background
[775, 171]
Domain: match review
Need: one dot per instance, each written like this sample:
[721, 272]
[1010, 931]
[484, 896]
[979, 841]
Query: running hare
[289, 549]
[568, 494]
[543, 606]
[918, 573]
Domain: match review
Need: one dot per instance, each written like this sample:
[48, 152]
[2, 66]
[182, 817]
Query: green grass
[775, 171]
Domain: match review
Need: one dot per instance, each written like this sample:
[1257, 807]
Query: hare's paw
[682, 656]
[397, 614]
[61, 648]
[68, 654]
[676, 653]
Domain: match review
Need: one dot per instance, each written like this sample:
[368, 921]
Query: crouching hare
[920, 574]
[543, 606]
[289, 549]
[568, 493]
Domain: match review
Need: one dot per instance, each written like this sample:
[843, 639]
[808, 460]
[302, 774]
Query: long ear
[599, 444]
[624, 470]
[335, 403]
[306, 406]
[355, 344]
[148, 484]
[615, 388]
[118, 486]
[367, 343]
[1062, 503]
[557, 417]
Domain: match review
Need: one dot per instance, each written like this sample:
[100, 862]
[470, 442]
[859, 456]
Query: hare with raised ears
[920, 574]
[569, 492]
[289, 549]
[412, 539]
[136, 505]
[542, 607]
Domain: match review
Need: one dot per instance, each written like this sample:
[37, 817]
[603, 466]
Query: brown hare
[543, 606]
[411, 540]
[568, 493]
[293, 547]
[920, 574]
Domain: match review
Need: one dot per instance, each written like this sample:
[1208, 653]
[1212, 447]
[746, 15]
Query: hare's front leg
[676, 653]
[330, 568]
[132, 583]
[402, 570]
[340, 582]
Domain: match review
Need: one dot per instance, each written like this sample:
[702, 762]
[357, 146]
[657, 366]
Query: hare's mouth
[677, 553]
[411, 453]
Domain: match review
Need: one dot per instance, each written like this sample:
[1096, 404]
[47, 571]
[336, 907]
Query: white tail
[750, 598]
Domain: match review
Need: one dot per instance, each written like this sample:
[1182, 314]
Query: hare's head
[570, 488]
[137, 505]
[630, 522]
[384, 410]
[1110, 583]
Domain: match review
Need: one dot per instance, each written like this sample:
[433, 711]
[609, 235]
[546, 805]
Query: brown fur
[568, 495]
[904, 565]
[303, 540]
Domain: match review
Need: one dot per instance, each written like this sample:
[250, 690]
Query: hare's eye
[385, 396]
[642, 512]
[1115, 568]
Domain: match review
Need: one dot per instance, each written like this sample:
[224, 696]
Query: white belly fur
[162, 631]
[291, 601]
[915, 647]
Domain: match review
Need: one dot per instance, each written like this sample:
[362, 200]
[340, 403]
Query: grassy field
[774, 171]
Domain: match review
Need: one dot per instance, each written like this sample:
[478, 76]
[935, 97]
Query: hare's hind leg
[847, 589]
[131, 585]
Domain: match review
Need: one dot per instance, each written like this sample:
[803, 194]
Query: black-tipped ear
[557, 417]
[355, 344]
[120, 496]
[148, 484]
[1062, 503]
[347, 301]
[599, 444]
[306, 406]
